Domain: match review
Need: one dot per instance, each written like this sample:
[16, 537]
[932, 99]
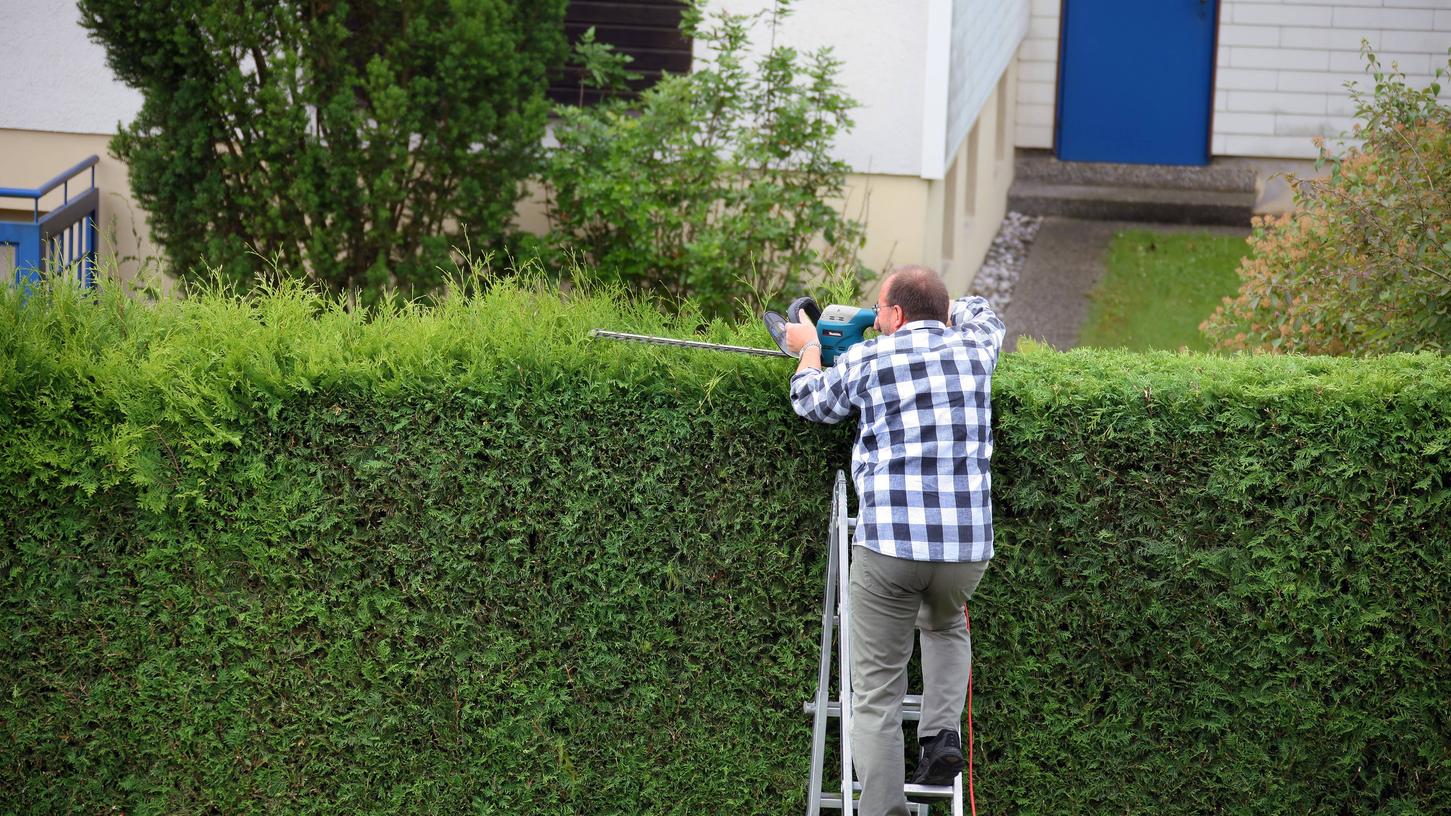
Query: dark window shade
[647, 30]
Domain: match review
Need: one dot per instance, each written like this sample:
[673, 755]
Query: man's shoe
[941, 760]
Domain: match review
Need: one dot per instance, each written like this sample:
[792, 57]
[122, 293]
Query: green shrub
[266, 555]
[1364, 264]
[717, 185]
[357, 141]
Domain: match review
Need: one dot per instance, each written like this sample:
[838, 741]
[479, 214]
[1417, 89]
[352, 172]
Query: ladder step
[832, 799]
[911, 707]
[914, 808]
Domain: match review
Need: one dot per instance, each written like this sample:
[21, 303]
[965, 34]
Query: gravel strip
[1004, 261]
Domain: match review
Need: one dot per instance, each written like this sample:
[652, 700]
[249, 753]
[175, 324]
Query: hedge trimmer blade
[670, 341]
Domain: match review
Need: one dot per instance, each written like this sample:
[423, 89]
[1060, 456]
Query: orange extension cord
[971, 796]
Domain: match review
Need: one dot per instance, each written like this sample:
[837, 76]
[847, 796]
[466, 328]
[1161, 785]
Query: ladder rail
[823, 674]
[838, 578]
[843, 578]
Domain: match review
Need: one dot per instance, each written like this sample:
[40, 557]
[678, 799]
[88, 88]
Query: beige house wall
[920, 70]
[895, 209]
[898, 215]
[29, 158]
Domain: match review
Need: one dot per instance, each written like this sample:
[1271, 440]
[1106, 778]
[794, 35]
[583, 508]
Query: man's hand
[802, 340]
[799, 334]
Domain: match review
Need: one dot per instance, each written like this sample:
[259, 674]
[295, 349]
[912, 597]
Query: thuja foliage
[719, 185]
[263, 554]
[353, 142]
[1364, 264]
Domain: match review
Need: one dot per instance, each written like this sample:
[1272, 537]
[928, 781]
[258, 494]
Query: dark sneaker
[941, 760]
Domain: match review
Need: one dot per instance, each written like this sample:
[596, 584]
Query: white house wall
[53, 78]
[881, 49]
[927, 73]
[1281, 68]
[985, 35]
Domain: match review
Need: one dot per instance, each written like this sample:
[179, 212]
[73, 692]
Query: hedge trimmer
[838, 327]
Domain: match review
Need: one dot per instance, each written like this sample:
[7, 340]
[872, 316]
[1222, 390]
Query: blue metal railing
[63, 240]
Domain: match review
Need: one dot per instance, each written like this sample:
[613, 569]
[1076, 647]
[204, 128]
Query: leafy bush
[1364, 265]
[716, 185]
[266, 555]
[354, 141]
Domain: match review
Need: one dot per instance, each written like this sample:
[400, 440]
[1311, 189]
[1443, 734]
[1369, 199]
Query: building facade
[949, 90]
[1279, 67]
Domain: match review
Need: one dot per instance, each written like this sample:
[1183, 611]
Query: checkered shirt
[920, 463]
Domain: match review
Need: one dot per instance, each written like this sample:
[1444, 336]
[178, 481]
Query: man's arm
[822, 395]
[974, 316]
[816, 394]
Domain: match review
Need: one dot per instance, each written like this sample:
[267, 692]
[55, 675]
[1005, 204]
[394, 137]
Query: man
[924, 525]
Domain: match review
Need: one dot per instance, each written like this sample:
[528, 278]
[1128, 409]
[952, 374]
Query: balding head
[919, 291]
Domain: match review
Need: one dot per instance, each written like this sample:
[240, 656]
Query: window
[647, 30]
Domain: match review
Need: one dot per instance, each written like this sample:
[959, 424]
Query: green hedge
[263, 556]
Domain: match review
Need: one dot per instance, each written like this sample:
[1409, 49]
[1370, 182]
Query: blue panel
[26, 240]
[1136, 81]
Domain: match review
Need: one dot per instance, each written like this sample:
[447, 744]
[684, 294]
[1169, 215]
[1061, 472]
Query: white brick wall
[1285, 63]
[1280, 70]
[1038, 76]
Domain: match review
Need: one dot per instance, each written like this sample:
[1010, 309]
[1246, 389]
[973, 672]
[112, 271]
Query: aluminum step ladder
[835, 614]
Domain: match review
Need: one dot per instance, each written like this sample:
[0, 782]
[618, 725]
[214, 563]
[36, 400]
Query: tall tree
[351, 142]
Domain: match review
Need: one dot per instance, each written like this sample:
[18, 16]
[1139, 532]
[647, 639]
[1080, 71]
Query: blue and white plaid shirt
[920, 463]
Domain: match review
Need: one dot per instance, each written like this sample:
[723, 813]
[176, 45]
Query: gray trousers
[889, 597]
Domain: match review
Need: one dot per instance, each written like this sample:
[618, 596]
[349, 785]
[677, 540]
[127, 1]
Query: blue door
[1136, 81]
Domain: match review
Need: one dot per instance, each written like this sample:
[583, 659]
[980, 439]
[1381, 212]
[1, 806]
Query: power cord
[971, 795]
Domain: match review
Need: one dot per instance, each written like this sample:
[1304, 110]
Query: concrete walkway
[1050, 300]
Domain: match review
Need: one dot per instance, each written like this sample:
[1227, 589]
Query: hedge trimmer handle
[837, 327]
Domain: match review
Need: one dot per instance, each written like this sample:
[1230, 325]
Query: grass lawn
[1158, 288]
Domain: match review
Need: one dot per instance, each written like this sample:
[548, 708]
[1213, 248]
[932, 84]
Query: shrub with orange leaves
[1364, 264]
